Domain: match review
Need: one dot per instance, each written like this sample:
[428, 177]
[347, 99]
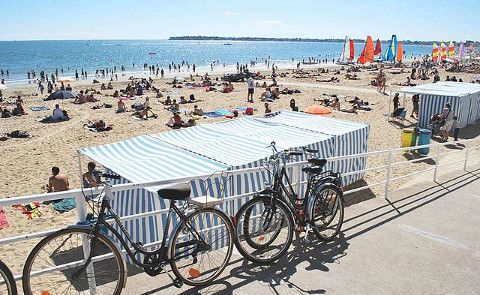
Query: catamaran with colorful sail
[435, 53]
[378, 50]
[367, 54]
[348, 53]
[391, 53]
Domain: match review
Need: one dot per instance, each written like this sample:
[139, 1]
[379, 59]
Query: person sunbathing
[98, 125]
[18, 110]
[174, 107]
[336, 104]
[121, 108]
[197, 111]
[267, 95]
[6, 113]
[332, 79]
[190, 123]
[175, 121]
[352, 77]
[352, 110]
[167, 101]
[183, 100]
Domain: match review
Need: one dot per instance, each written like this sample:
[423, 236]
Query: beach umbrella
[317, 110]
[65, 79]
[61, 94]
[3, 86]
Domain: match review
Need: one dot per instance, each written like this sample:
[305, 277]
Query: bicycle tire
[181, 228]
[251, 242]
[338, 208]
[286, 222]
[76, 253]
[7, 276]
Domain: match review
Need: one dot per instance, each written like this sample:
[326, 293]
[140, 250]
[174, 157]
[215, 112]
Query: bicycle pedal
[177, 283]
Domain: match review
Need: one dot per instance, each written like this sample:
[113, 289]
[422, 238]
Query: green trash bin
[424, 136]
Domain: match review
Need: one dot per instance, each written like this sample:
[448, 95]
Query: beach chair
[399, 113]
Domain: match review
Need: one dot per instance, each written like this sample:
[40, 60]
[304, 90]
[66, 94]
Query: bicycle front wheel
[7, 283]
[327, 212]
[201, 246]
[264, 230]
[57, 265]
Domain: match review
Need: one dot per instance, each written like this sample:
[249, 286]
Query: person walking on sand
[251, 89]
[57, 182]
[447, 121]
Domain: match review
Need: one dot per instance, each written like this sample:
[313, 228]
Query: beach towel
[3, 219]
[50, 120]
[212, 114]
[64, 205]
[31, 210]
[39, 109]
[240, 109]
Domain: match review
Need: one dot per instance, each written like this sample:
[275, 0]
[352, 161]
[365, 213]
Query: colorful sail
[399, 52]
[435, 53]
[451, 49]
[378, 48]
[367, 52]
[391, 52]
[461, 50]
[352, 50]
[443, 51]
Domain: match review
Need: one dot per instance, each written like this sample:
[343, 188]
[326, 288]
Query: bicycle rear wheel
[202, 246]
[264, 230]
[327, 212]
[7, 283]
[55, 265]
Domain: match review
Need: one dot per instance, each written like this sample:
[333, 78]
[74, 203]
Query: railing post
[466, 160]
[389, 173]
[437, 157]
[79, 200]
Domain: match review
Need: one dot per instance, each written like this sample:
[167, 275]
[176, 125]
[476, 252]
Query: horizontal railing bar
[412, 174]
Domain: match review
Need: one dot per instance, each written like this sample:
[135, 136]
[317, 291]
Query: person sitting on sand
[293, 105]
[103, 87]
[146, 104]
[276, 93]
[175, 121]
[336, 104]
[59, 114]
[57, 182]
[191, 122]
[90, 98]
[116, 94]
[174, 107]
[121, 108]
[6, 113]
[110, 86]
[268, 110]
[68, 88]
[19, 100]
[91, 178]
[267, 95]
[167, 101]
[183, 100]
[352, 110]
[18, 110]
[192, 97]
[98, 125]
[80, 98]
[197, 111]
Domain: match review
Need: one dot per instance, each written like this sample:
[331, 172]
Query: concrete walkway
[423, 240]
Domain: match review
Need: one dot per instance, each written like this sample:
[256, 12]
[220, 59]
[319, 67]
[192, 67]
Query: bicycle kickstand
[308, 230]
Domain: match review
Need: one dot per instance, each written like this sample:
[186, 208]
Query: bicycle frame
[128, 241]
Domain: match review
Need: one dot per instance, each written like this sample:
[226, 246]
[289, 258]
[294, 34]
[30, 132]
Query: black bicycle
[265, 224]
[7, 283]
[85, 259]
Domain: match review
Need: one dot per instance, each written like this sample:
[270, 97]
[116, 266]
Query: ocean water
[19, 57]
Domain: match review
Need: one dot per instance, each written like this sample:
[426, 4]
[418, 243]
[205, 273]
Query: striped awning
[458, 89]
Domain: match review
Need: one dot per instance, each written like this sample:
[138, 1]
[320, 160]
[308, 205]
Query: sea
[20, 57]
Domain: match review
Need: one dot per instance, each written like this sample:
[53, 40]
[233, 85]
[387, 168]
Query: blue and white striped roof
[242, 141]
[443, 89]
[144, 159]
[322, 124]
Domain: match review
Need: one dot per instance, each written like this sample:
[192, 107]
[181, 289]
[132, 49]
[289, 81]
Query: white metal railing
[78, 194]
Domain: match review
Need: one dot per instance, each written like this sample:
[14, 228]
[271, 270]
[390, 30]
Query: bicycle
[85, 260]
[265, 224]
[7, 283]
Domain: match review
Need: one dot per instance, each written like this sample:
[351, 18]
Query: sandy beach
[26, 163]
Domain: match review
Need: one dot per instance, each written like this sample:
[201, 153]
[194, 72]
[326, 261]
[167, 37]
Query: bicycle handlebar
[111, 176]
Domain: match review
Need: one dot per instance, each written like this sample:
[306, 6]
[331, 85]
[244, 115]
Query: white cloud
[226, 12]
[270, 22]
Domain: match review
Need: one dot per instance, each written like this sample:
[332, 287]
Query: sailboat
[348, 52]
[451, 49]
[443, 51]
[378, 50]
[435, 53]
[367, 53]
[461, 50]
[391, 52]
[399, 52]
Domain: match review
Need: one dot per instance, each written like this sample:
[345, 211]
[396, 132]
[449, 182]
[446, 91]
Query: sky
[158, 19]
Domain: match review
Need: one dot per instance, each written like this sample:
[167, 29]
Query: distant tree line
[219, 38]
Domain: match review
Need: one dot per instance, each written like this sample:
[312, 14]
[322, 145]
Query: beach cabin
[464, 98]
[223, 146]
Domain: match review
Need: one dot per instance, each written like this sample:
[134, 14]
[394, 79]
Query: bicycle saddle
[175, 192]
[317, 162]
